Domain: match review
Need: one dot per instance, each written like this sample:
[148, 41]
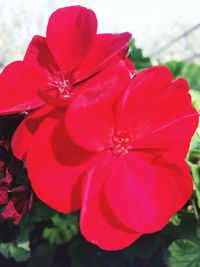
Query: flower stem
[195, 210]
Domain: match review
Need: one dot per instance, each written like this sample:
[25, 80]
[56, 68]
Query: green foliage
[41, 224]
[40, 213]
[12, 250]
[64, 229]
[184, 253]
[194, 163]
[176, 220]
[195, 94]
[176, 67]
[189, 71]
[137, 57]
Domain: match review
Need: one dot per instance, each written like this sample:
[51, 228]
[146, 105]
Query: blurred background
[163, 29]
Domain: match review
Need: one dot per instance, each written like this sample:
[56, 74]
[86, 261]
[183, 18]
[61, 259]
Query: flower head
[55, 65]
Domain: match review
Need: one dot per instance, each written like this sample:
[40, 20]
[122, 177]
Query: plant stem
[195, 209]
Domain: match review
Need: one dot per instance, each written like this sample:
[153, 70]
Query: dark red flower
[19, 203]
[4, 186]
[54, 67]
[3, 158]
[16, 198]
[118, 155]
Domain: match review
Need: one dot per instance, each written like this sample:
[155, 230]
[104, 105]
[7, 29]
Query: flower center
[62, 86]
[121, 145]
[57, 90]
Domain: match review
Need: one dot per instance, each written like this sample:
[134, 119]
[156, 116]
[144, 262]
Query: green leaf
[175, 67]
[40, 213]
[65, 228]
[184, 253]
[189, 71]
[175, 220]
[11, 250]
[55, 236]
[194, 153]
[137, 57]
[195, 94]
[62, 220]
[195, 170]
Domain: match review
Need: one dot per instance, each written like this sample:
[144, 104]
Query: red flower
[121, 159]
[53, 67]
[139, 179]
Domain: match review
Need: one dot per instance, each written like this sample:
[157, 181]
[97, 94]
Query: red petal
[55, 165]
[97, 222]
[104, 50]
[168, 117]
[39, 54]
[89, 119]
[70, 33]
[10, 212]
[2, 168]
[142, 91]
[3, 194]
[145, 190]
[130, 65]
[19, 82]
[23, 136]
[174, 134]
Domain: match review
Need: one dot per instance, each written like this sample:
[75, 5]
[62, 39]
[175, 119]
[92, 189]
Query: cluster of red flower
[100, 137]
